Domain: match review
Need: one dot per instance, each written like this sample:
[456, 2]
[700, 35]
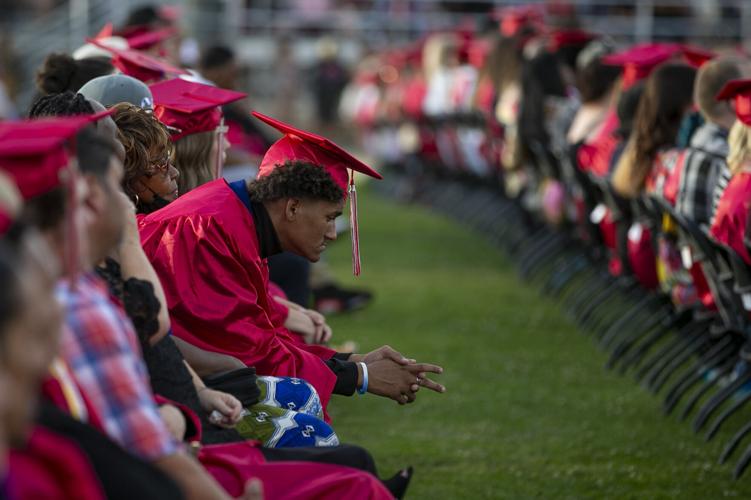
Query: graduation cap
[149, 38]
[190, 107]
[36, 154]
[697, 56]
[740, 91]
[137, 64]
[639, 60]
[298, 144]
[520, 19]
[570, 38]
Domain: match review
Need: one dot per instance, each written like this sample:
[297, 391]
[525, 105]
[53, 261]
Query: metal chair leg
[662, 376]
[704, 389]
[689, 332]
[718, 399]
[715, 427]
[715, 357]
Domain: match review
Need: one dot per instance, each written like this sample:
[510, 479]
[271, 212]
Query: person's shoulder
[212, 199]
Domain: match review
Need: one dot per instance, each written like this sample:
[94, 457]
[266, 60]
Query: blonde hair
[625, 182]
[739, 144]
[193, 160]
[668, 93]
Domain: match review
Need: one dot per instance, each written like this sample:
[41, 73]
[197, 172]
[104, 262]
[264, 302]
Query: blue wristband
[364, 387]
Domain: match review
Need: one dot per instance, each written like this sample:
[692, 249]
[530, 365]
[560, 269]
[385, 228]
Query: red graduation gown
[729, 226]
[205, 250]
[51, 467]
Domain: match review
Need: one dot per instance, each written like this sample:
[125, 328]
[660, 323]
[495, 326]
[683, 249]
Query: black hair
[595, 79]
[60, 72]
[540, 78]
[626, 109]
[216, 57]
[94, 152]
[10, 292]
[143, 15]
[63, 104]
[296, 179]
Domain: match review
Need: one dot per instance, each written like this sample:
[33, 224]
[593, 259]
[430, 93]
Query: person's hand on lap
[227, 407]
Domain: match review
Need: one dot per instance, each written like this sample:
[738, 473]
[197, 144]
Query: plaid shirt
[102, 350]
[703, 169]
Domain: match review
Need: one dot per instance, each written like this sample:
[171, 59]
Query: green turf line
[530, 411]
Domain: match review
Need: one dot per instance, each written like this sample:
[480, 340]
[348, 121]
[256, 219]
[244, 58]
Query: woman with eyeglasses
[150, 179]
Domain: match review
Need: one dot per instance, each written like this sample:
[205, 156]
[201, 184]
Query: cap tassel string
[72, 249]
[353, 226]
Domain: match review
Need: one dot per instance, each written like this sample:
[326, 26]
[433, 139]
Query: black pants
[344, 454]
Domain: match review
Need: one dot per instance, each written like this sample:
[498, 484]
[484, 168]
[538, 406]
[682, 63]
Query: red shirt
[729, 225]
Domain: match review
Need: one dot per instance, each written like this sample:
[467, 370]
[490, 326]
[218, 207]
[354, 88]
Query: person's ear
[292, 209]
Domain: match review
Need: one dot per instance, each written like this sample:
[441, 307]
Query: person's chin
[314, 256]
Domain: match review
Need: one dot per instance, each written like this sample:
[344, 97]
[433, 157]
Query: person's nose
[174, 173]
[331, 232]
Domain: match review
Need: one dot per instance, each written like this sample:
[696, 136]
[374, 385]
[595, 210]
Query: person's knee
[359, 458]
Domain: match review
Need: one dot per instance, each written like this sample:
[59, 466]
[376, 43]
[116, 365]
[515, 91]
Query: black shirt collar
[268, 240]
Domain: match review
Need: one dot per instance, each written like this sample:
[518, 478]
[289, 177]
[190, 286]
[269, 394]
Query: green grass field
[530, 412]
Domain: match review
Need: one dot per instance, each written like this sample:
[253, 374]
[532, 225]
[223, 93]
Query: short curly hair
[296, 179]
[145, 139]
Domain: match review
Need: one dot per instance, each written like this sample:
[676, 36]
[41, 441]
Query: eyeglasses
[160, 166]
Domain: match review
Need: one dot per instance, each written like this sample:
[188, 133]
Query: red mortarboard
[697, 56]
[105, 32]
[639, 60]
[33, 152]
[300, 145]
[740, 90]
[139, 65]
[147, 39]
[568, 38]
[190, 107]
[297, 144]
[513, 20]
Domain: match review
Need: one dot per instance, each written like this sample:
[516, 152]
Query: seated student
[223, 304]
[41, 463]
[283, 400]
[704, 163]
[62, 454]
[698, 170]
[729, 225]
[650, 155]
[597, 87]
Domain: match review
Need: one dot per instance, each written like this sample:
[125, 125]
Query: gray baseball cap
[113, 89]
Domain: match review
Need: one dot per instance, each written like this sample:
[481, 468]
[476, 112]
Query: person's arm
[205, 362]
[306, 322]
[212, 400]
[191, 477]
[134, 264]
[392, 375]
